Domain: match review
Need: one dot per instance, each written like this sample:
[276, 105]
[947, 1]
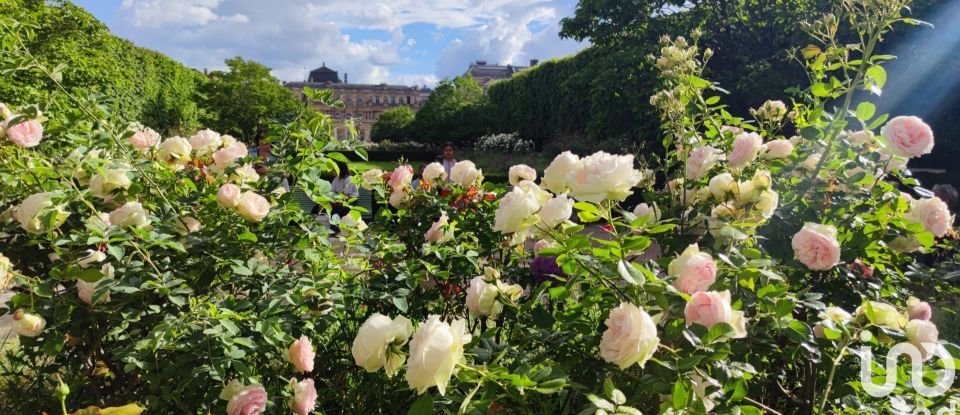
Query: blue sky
[412, 42]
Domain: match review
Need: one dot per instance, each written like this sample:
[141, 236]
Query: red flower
[608, 228]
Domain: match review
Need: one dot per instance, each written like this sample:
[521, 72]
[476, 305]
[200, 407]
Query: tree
[243, 99]
[392, 124]
[454, 112]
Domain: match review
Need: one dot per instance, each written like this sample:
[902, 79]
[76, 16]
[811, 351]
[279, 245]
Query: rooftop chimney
[534, 62]
[481, 63]
[346, 78]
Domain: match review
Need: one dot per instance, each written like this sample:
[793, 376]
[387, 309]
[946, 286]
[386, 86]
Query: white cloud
[295, 36]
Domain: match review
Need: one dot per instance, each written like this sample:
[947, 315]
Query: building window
[376, 99]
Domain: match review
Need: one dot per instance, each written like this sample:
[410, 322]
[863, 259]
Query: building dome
[324, 74]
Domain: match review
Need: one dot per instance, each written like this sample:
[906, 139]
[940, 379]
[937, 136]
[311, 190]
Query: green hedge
[138, 83]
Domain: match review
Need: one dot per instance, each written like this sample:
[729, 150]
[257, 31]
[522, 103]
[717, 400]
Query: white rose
[131, 214]
[439, 231]
[555, 175]
[435, 350]
[206, 142]
[93, 257]
[371, 178]
[644, 209]
[434, 173]
[515, 210]
[767, 203]
[85, 291]
[228, 196]
[485, 290]
[5, 267]
[252, 206]
[603, 176]
[836, 315]
[556, 211]
[465, 173]
[720, 185]
[245, 174]
[27, 324]
[103, 184]
[521, 172]
[31, 211]
[933, 213]
[700, 161]
[924, 335]
[174, 152]
[630, 338]
[811, 162]
[745, 149]
[777, 149]
[350, 224]
[378, 343]
[187, 224]
[882, 314]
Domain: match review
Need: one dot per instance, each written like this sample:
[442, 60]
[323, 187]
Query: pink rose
[918, 310]
[924, 335]
[816, 246]
[778, 149]
[253, 207]
[304, 398]
[708, 308]
[145, 139]
[630, 338]
[908, 136]
[397, 197]
[26, 134]
[438, 231]
[249, 400]
[933, 213]
[700, 161]
[745, 148]
[229, 195]
[226, 156]
[694, 271]
[301, 354]
[401, 177]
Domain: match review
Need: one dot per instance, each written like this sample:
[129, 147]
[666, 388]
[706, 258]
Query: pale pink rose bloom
[401, 177]
[85, 291]
[438, 231]
[301, 354]
[924, 335]
[521, 172]
[630, 338]
[918, 310]
[933, 213]
[27, 324]
[26, 134]
[249, 400]
[304, 398]
[818, 331]
[145, 139]
[730, 129]
[694, 270]
[226, 156]
[778, 149]
[816, 246]
[707, 308]
[229, 195]
[745, 148]
[700, 161]
[253, 207]
[861, 137]
[397, 197]
[908, 136]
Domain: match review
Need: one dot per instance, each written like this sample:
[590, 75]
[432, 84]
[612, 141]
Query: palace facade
[363, 103]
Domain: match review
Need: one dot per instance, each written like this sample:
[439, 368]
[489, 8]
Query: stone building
[484, 74]
[363, 103]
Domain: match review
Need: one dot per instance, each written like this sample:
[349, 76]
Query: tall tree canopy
[245, 98]
[456, 111]
[392, 124]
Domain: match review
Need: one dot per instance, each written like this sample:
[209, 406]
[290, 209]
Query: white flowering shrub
[166, 273]
[504, 143]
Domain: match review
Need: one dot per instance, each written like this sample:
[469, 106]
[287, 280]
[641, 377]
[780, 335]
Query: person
[415, 184]
[448, 160]
[342, 185]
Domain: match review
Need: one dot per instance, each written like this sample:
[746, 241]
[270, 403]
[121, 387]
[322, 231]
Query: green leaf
[681, 394]
[629, 273]
[865, 111]
[878, 75]
[247, 236]
[820, 89]
[422, 406]
[400, 303]
[750, 410]
[713, 100]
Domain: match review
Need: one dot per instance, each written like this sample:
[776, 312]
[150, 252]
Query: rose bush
[165, 271]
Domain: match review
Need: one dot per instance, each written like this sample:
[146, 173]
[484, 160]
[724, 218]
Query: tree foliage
[141, 84]
[393, 124]
[243, 99]
[455, 112]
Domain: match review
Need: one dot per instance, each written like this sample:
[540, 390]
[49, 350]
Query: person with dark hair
[415, 184]
[448, 159]
[342, 185]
